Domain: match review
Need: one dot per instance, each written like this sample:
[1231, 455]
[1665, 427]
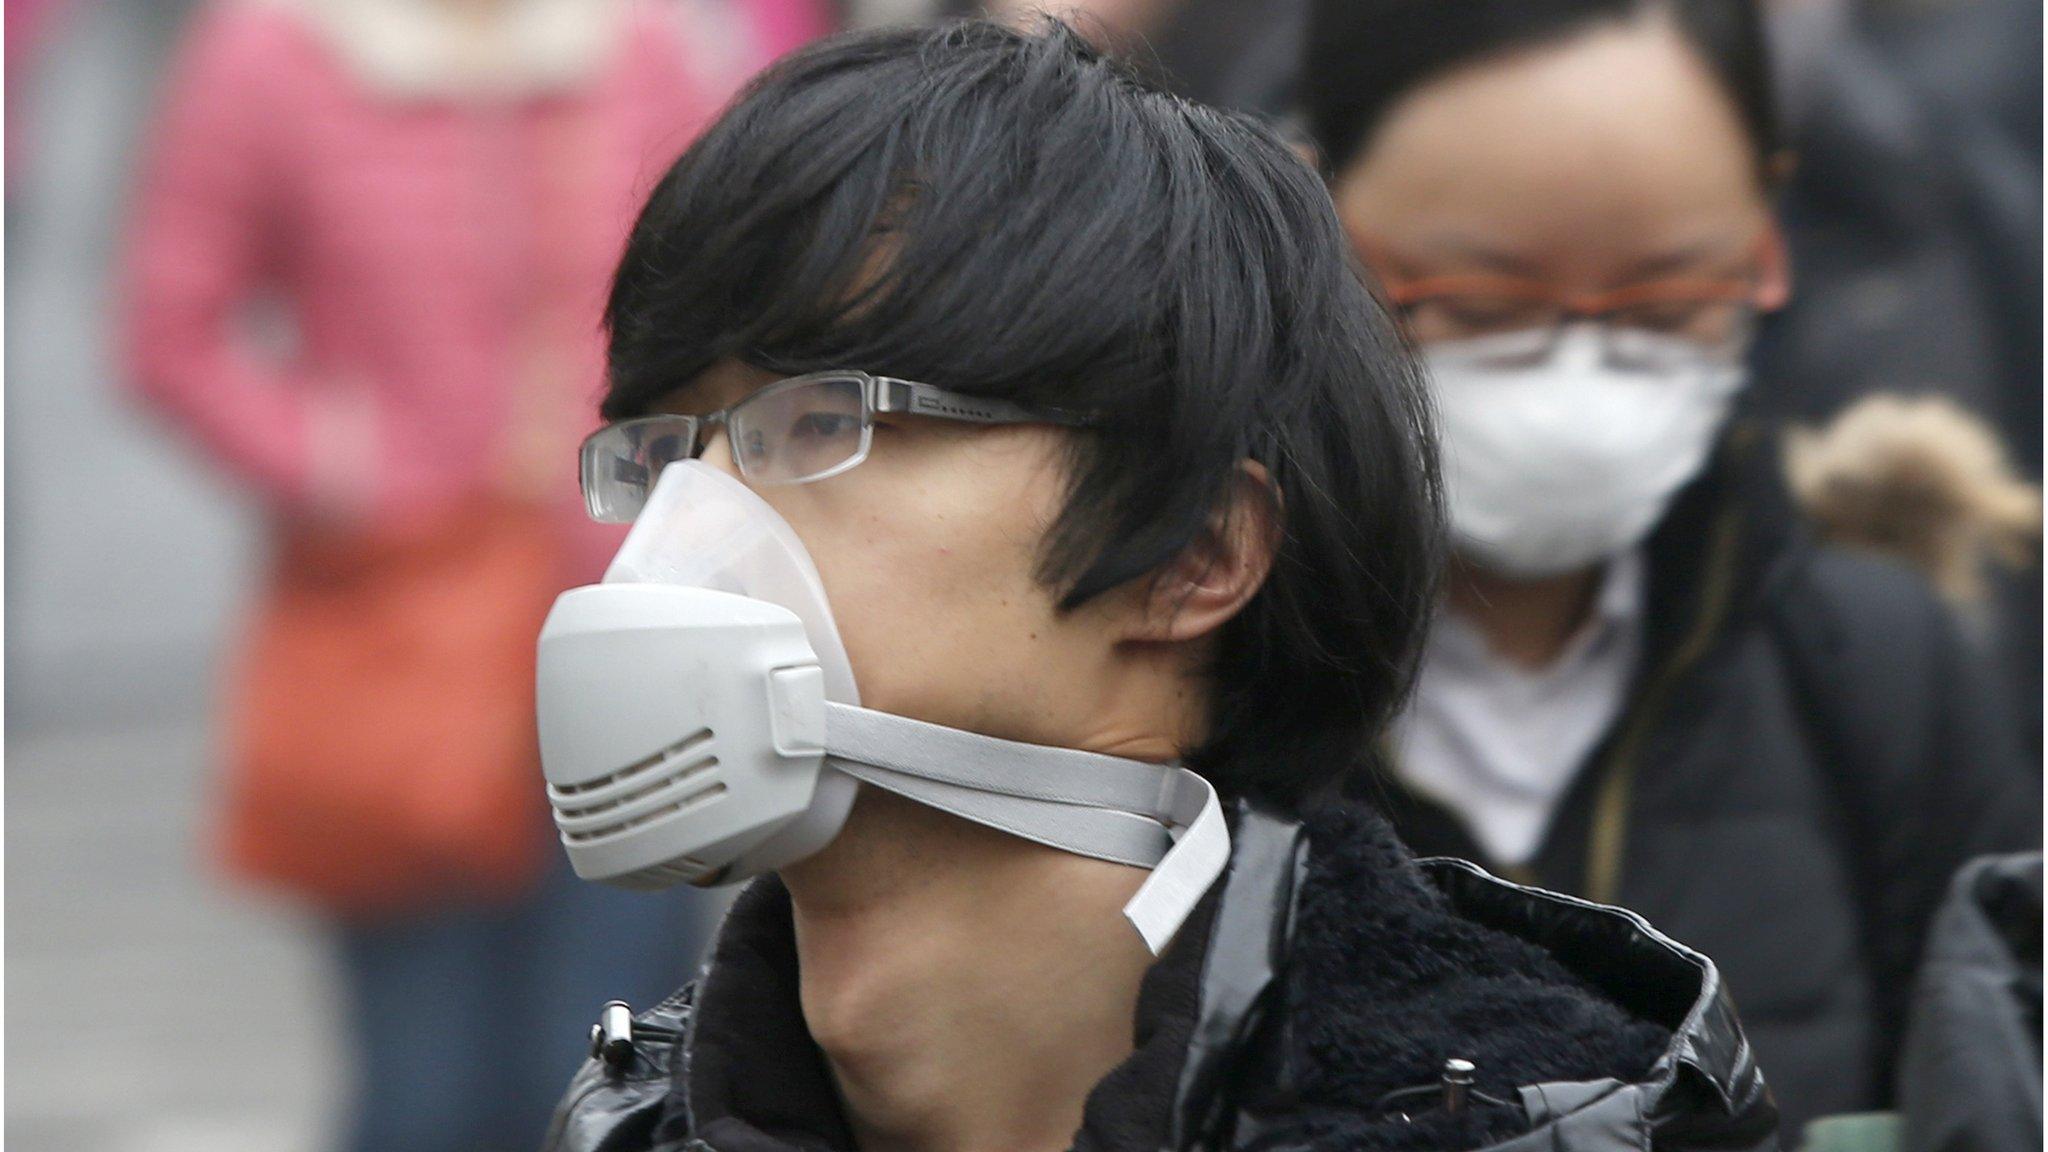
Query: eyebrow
[1714, 252]
[1711, 254]
[689, 398]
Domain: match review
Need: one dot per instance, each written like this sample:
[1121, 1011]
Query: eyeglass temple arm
[892, 395]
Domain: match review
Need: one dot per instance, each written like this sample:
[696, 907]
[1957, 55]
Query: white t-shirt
[1499, 744]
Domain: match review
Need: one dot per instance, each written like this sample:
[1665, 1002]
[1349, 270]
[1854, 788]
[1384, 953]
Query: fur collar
[1389, 980]
[419, 49]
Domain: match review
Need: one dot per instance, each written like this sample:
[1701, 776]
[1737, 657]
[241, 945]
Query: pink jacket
[442, 263]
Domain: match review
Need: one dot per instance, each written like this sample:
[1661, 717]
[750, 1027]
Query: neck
[480, 10]
[479, 21]
[968, 988]
[1527, 622]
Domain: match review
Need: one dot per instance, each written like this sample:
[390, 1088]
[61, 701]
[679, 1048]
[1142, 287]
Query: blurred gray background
[120, 584]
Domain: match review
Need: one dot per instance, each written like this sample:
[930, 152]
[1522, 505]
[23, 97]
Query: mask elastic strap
[1154, 816]
[1102, 833]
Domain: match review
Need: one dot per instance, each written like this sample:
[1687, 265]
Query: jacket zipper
[1607, 841]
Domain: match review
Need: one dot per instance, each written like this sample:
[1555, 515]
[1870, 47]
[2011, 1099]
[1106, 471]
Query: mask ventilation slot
[673, 780]
[687, 870]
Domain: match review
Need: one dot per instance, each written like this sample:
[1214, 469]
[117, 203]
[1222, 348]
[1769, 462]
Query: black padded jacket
[1311, 1002]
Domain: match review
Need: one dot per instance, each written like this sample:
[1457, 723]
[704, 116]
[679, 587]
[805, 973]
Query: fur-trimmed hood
[1923, 481]
[1310, 1003]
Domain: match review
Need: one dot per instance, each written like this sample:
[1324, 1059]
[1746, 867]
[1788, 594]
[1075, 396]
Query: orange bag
[383, 754]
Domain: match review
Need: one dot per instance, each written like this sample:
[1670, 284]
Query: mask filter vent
[677, 779]
[687, 870]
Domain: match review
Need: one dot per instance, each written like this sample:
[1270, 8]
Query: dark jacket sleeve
[1923, 760]
[1970, 1075]
[1975, 795]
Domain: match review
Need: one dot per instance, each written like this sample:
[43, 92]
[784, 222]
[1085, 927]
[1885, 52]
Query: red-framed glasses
[1520, 320]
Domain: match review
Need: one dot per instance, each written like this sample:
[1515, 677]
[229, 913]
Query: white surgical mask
[699, 723]
[1556, 466]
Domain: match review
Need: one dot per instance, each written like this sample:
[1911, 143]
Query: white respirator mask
[1554, 466]
[699, 723]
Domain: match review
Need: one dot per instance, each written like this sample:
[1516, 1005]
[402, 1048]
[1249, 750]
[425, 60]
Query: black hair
[1012, 214]
[1363, 56]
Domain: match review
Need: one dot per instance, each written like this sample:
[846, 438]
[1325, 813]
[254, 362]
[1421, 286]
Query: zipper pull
[1457, 1084]
[611, 1038]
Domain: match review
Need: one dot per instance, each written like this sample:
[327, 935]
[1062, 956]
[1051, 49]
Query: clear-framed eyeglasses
[794, 431]
[1653, 325]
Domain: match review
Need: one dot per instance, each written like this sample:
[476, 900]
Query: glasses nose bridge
[1584, 306]
[719, 422]
[714, 427]
[1594, 309]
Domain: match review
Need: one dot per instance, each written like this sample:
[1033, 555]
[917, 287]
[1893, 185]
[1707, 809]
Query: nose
[715, 449]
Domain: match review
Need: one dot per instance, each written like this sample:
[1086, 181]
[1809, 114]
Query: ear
[1300, 144]
[1774, 265]
[1213, 578]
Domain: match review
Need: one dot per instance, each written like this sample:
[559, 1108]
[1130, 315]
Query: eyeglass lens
[621, 463]
[1645, 335]
[788, 433]
[807, 430]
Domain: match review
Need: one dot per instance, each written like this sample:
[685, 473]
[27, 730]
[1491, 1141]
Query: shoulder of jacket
[248, 37]
[1869, 579]
[1854, 602]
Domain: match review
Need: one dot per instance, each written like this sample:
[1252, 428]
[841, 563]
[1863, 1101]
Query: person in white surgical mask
[1035, 521]
[1647, 685]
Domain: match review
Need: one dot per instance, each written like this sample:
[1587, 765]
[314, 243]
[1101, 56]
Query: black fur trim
[1387, 982]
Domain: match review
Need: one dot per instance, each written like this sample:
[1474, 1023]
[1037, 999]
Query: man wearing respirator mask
[1034, 521]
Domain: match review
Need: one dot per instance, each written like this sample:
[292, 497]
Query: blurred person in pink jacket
[430, 194]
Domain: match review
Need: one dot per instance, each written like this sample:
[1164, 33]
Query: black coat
[1809, 753]
[1591, 1032]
